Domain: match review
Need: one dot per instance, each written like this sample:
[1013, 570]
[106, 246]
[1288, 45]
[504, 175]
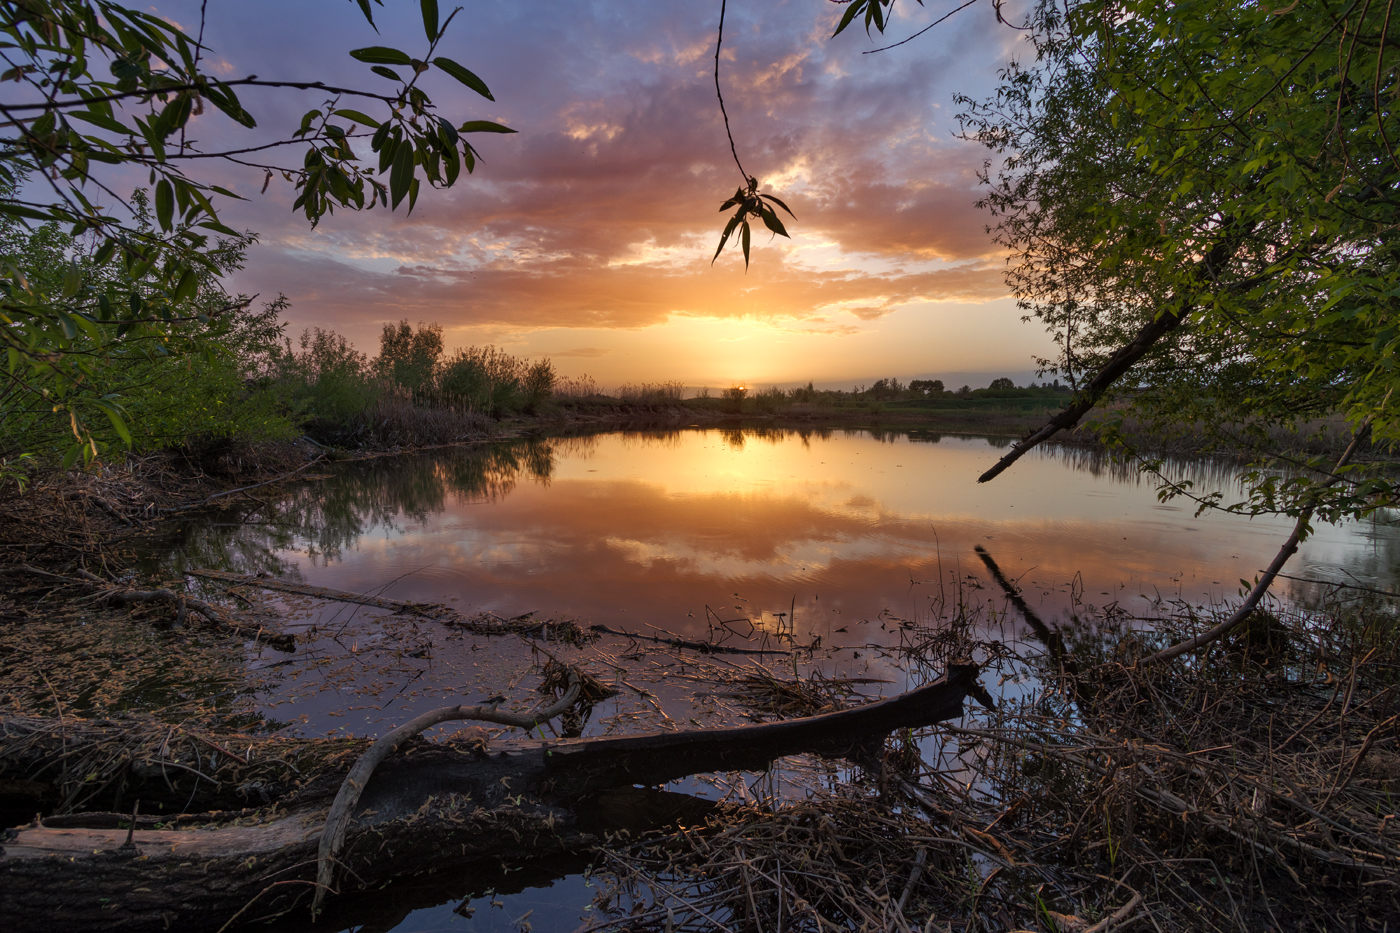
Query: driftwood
[675, 641]
[112, 594]
[483, 623]
[426, 809]
[426, 610]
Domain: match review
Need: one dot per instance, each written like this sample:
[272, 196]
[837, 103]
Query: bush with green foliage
[491, 381]
[199, 384]
[97, 89]
[408, 357]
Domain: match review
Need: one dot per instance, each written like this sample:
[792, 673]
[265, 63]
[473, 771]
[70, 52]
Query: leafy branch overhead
[747, 200]
[749, 203]
[96, 88]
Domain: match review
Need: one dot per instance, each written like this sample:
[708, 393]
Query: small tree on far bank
[409, 358]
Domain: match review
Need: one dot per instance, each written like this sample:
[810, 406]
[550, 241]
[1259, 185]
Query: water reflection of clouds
[662, 524]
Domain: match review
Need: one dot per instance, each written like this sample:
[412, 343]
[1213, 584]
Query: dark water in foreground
[748, 537]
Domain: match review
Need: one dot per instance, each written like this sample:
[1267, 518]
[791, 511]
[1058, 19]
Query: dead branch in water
[483, 623]
[1261, 586]
[704, 647]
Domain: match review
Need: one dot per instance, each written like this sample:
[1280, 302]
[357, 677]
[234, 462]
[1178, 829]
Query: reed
[652, 392]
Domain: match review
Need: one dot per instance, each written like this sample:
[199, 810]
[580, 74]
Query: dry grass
[652, 392]
[1253, 788]
[394, 422]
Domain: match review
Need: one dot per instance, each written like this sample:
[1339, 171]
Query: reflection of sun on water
[665, 523]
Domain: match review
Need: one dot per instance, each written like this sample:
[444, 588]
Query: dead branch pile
[75, 765]
[98, 592]
[767, 695]
[1251, 787]
[488, 623]
[821, 865]
[66, 518]
[1239, 801]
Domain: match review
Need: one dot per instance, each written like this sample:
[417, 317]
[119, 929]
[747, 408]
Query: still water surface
[650, 528]
[787, 537]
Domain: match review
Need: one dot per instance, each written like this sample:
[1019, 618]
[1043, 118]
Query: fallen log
[426, 808]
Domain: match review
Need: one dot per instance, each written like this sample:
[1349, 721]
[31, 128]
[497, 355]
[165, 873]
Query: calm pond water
[835, 539]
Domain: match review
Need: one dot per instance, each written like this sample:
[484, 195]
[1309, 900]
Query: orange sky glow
[588, 236]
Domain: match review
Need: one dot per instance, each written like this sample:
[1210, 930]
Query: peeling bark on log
[422, 812]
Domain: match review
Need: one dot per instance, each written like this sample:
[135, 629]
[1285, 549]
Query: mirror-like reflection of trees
[1206, 474]
[325, 516]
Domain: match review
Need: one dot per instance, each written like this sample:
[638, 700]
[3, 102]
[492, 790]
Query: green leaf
[19, 210]
[852, 11]
[389, 73]
[227, 102]
[114, 415]
[724, 237]
[364, 8]
[380, 55]
[71, 456]
[463, 75]
[101, 120]
[401, 175]
[780, 204]
[387, 150]
[430, 19]
[745, 240]
[771, 221]
[358, 118]
[165, 203]
[219, 189]
[218, 228]
[187, 285]
[484, 126]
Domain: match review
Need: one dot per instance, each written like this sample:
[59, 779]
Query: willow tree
[1201, 201]
[1201, 204]
[96, 89]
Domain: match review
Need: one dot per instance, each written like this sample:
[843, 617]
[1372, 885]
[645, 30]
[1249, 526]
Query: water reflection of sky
[850, 530]
[635, 528]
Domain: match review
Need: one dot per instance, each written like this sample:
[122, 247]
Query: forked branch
[338, 819]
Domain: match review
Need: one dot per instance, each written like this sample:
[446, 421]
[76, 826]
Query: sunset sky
[587, 237]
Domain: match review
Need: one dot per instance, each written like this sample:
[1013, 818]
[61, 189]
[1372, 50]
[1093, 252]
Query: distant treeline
[741, 398]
